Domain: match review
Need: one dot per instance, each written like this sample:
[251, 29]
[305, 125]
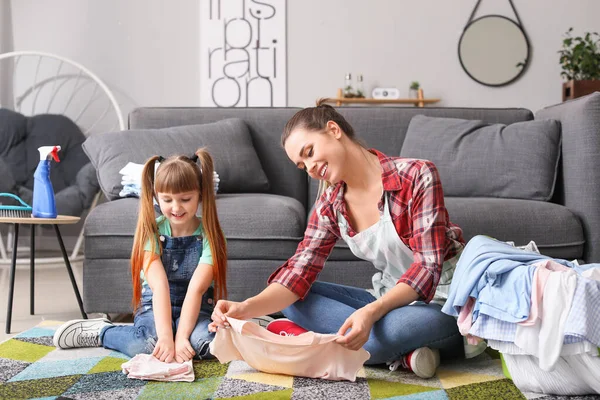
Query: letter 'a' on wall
[243, 53]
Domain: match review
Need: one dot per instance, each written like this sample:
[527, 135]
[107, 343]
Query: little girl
[175, 260]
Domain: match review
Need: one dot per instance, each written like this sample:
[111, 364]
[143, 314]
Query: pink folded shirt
[149, 368]
[311, 355]
[540, 277]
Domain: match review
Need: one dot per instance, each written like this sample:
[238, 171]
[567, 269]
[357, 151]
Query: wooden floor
[54, 297]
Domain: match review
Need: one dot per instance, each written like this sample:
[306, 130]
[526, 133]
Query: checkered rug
[31, 368]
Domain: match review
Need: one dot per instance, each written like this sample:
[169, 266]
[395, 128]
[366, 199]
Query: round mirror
[493, 50]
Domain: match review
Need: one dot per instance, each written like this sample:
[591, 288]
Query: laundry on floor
[542, 314]
[149, 368]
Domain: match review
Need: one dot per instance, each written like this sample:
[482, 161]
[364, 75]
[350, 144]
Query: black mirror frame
[526, 62]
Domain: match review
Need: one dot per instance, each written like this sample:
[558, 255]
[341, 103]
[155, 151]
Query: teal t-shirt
[164, 228]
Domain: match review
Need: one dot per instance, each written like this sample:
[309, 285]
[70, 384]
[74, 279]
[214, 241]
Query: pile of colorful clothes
[542, 314]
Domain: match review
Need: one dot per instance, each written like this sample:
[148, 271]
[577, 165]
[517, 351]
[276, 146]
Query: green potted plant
[413, 90]
[580, 62]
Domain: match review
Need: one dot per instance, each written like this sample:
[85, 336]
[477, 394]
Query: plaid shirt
[417, 208]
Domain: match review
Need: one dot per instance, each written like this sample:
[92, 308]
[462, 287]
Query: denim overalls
[180, 256]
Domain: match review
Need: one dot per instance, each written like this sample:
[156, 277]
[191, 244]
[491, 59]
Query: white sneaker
[80, 333]
[473, 350]
[422, 361]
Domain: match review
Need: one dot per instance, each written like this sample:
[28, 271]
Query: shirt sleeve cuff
[291, 280]
[423, 289]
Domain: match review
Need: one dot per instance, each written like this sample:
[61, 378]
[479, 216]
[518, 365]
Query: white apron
[381, 245]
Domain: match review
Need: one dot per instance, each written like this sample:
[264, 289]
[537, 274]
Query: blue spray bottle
[43, 194]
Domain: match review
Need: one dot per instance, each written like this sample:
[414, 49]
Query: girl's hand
[164, 350]
[224, 309]
[361, 322]
[183, 350]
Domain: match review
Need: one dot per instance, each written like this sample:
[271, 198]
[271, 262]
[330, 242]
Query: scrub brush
[22, 211]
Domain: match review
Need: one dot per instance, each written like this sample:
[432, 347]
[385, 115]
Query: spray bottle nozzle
[49, 151]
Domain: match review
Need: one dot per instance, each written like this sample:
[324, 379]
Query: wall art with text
[243, 53]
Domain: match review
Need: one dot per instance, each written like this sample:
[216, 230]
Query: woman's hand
[183, 350]
[360, 322]
[224, 309]
[164, 350]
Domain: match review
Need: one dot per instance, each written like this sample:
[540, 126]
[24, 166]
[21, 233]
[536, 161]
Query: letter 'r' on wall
[243, 53]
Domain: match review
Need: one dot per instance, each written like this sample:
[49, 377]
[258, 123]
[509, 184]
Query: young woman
[390, 211]
[178, 262]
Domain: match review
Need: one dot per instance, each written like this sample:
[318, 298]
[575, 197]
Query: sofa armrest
[578, 183]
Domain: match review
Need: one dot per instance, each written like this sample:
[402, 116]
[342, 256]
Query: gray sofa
[264, 228]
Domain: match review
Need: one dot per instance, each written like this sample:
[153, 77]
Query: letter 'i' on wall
[243, 53]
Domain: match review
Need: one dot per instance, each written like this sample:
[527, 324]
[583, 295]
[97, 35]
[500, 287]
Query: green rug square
[209, 369]
[107, 364]
[498, 389]
[383, 389]
[37, 388]
[199, 389]
[23, 351]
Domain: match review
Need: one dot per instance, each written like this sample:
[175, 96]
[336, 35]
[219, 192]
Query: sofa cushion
[228, 142]
[257, 226]
[475, 158]
[553, 227]
[20, 137]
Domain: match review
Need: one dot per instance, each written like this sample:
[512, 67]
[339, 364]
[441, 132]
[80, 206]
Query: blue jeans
[141, 337]
[327, 306]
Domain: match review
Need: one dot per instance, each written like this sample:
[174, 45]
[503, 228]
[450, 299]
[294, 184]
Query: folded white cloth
[149, 368]
[133, 171]
[573, 375]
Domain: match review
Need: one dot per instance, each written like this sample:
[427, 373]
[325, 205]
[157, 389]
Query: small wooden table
[59, 220]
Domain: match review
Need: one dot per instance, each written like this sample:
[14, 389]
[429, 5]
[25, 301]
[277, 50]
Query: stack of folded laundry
[132, 180]
[542, 314]
[149, 368]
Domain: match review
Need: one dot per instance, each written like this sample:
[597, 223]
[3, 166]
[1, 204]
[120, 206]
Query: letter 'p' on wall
[243, 53]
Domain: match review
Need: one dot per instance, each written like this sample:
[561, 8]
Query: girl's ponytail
[146, 230]
[212, 227]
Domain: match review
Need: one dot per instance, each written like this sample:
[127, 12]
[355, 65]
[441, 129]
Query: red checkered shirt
[416, 202]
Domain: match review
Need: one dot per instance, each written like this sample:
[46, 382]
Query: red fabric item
[285, 327]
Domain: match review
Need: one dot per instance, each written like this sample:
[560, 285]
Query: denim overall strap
[180, 257]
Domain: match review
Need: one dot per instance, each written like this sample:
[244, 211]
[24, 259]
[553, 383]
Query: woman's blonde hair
[178, 174]
[316, 119]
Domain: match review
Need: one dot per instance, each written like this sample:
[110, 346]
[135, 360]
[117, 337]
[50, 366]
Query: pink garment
[465, 321]
[310, 354]
[149, 368]
[540, 277]
[465, 317]
[592, 273]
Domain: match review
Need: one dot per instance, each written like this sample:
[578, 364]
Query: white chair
[34, 83]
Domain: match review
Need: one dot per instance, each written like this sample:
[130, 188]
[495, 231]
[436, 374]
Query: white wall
[147, 50]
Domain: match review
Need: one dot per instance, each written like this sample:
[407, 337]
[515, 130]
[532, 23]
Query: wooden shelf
[352, 100]
[419, 102]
